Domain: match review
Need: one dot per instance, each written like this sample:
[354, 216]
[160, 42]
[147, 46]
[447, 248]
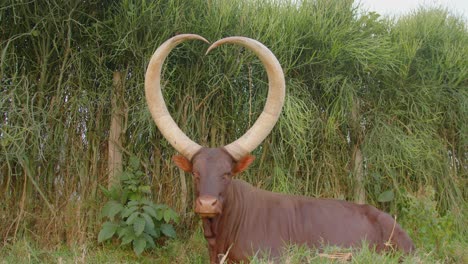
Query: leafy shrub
[132, 217]
[431, 230]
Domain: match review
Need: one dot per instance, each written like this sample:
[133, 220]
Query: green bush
[133, 218]
[432, 231]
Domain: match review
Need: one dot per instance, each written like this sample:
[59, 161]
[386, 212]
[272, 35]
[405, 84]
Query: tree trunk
[358, 172]
[358, 165]
[115, 153]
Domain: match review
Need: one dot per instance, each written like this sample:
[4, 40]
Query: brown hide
[255, 221]
[249, 221]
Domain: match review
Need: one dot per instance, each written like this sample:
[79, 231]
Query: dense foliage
[132, 217]
[376, 109]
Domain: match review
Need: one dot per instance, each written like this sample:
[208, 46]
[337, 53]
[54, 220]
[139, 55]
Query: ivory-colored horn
[274, 103]
[155, 100]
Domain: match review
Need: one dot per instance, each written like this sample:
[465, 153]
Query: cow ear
[242, 164]
[182, 162]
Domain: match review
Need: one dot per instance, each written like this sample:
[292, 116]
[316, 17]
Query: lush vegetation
[376, 111]
[131, 215]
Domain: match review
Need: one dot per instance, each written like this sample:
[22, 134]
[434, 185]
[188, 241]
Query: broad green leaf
[127, 238]
[107, 231]
[167, 215]
[139, 244]
[386, 196]
[132, 218]
[105, 209]
[111, 208]
[133, 203]
[149, 221]
[129, 210]
[175, 216]
[139, 225]
[168, 230]
[154, 232]
[147, 202]
[149, 240]
[150, 210]
[159, 214]
[124, 231]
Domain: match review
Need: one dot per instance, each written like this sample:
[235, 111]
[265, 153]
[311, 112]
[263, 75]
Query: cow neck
[226, 226]
[208, 231]
[235, 201]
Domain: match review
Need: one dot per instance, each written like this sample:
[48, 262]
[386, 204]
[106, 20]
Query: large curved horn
[275, 100]
[155, 100]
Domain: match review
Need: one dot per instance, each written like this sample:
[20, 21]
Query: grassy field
[191, 248]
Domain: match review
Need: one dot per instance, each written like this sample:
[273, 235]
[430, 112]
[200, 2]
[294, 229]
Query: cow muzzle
[208, 206]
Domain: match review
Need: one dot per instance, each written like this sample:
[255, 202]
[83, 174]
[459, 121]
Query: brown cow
[243, 220]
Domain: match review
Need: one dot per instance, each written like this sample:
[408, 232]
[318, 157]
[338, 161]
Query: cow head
[213, 168]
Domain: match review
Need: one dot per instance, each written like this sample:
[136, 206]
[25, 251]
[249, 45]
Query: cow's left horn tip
[219, 43]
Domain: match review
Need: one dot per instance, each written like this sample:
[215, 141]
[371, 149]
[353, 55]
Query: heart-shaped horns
[254, 136]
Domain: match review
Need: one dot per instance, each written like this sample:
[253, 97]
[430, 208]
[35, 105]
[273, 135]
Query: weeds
[132, 216]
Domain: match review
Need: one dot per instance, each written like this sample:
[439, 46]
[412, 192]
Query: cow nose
[207, 201]
[207, 206]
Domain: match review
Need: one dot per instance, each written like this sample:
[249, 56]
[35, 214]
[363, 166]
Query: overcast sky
[398, 7]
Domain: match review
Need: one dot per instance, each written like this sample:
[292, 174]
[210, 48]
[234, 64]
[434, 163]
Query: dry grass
[342, 257]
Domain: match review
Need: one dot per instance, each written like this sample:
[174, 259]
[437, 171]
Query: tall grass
[392, 90]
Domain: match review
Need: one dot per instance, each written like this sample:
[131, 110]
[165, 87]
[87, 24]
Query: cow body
[254, 221]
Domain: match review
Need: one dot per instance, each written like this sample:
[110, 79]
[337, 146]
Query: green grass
[189, 249]
[193, 249]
